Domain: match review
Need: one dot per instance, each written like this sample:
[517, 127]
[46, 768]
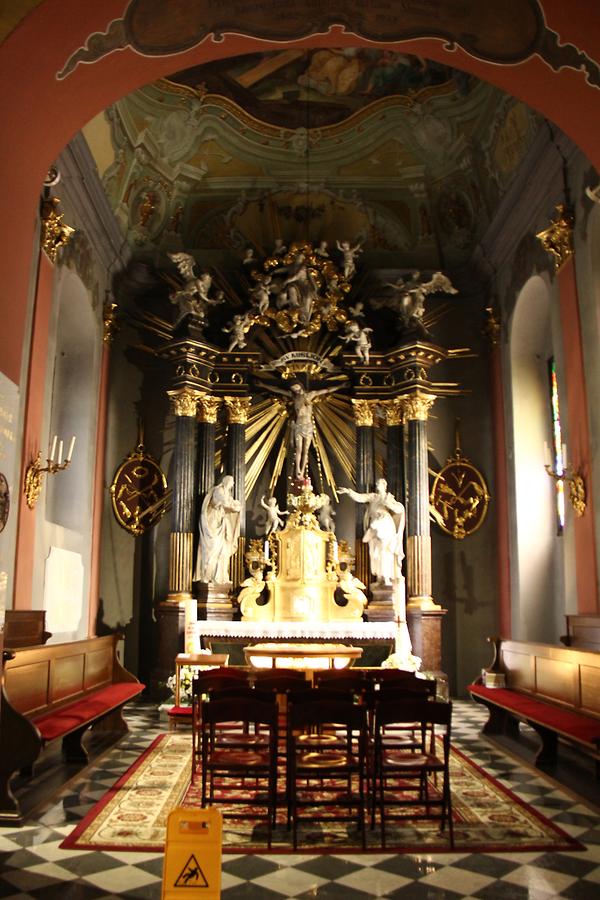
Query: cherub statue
[322, 250]
[349, 254]
[280, 248]
[274, 521]
[260, 294]
[248, 259]
[361, 338]
[326, 514]
[237, 328]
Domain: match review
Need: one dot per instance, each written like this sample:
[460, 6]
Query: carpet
[133, 815]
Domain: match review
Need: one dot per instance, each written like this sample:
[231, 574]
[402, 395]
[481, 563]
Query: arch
[57, 109]
[538, 557]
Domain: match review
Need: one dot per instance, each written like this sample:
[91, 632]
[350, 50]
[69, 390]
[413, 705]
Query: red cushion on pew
[61, 721]
[582, 727]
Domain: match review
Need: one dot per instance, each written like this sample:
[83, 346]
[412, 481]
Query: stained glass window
[558, 461]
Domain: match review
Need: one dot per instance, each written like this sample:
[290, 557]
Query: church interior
[299, 371]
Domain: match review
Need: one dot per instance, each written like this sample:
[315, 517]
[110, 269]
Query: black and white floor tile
[33, 866]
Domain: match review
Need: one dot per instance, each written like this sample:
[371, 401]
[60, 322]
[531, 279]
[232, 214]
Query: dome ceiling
[409, 156]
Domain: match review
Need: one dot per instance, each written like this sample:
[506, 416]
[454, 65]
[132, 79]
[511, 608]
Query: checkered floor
[32, 865]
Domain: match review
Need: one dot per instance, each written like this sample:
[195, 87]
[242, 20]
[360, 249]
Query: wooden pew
[57, 691]
[583, 632]
[25, 628]
[556, 690]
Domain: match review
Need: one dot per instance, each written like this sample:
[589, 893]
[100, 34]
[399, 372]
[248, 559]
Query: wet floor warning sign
[192, 866]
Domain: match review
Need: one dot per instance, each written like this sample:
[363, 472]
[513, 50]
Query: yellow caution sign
[192, 866]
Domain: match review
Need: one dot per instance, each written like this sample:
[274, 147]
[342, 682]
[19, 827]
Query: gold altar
[310, 577]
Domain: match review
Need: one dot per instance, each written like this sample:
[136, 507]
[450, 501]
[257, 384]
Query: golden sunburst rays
[267, 423]
[334, 438]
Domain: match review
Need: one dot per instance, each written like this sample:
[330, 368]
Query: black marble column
[183, 510]
[237, 409]
[365, 479]
[416, 407]
[395, 475]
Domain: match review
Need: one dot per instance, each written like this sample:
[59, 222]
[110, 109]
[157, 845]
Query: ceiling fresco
[406, 156]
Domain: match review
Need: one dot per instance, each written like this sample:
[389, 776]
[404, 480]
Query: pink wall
[34, 414]
[501, 495]
[579, 438]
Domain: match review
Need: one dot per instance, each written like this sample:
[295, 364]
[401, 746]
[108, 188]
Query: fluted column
[183, 403]
[236, 410]
[416, 411]
[365, 478]
[394, 413]
[208, 407]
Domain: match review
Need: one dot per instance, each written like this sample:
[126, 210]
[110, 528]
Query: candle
[53, 450]
[564, 457]
[70, 453]
[60, 449]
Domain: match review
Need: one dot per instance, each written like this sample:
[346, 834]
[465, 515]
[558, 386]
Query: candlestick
[53, 450]
[72, 445]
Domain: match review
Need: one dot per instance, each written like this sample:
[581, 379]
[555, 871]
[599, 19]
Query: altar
[376, 639]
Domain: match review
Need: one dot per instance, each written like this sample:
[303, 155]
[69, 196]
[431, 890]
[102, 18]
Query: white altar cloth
[319, 631]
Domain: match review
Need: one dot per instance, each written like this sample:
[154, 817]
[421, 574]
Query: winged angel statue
[408, 299]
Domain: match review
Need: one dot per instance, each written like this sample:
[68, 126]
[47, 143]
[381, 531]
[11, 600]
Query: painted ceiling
[408, 156]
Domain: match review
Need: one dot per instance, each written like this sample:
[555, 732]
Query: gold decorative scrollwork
[139, 492]
[459, 497]
[557, 239]
[109, 321]
[55, 233]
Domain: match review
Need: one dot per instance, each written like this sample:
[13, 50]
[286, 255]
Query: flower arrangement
[405, 661]
[186, 676]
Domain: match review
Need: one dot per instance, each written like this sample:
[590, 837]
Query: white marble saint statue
[385, 519]
[219, 532]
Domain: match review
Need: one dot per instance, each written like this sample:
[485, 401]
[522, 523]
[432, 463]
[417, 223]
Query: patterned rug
[133, 815]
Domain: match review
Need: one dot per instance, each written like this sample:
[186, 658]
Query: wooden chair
[280, 680]
[330, 774]
[402, 774]
[202, 684]
[341, 679]
[228, 764]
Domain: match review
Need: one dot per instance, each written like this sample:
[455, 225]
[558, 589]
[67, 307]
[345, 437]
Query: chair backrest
[345, 680]
[218, 679]
[427, 712]
[281, 682]
[391, 676]
[242, 691]
[292, 674]
[311, 695]
[240, 709]
[421, 689]
[326, 712]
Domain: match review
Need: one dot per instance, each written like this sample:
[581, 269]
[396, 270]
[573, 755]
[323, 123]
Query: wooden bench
[583, 632]
[58, 691]
[25, 628]
[556, 690]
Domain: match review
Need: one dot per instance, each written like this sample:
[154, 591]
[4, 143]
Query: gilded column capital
[184, 401]
[208, 407]
[237, 409]
[364, 411]
[394, 411]
[417, 405]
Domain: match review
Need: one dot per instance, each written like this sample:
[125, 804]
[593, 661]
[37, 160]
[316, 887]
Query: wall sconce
[577, 493]
[34, 473]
